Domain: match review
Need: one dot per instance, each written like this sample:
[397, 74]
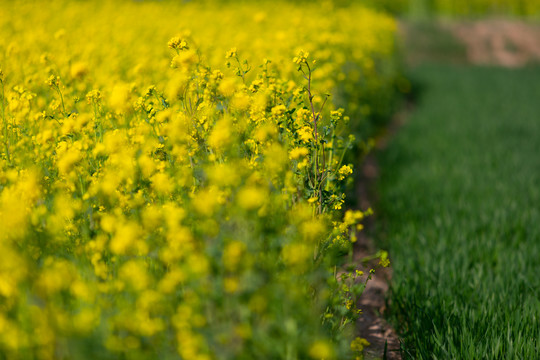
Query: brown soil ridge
[494, 41]
[383, 339]
[503, 42]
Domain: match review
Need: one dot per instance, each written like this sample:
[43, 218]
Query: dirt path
[384, 341]
[372, 326]
[499, 42]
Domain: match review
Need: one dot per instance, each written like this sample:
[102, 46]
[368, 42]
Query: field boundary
[372, 325]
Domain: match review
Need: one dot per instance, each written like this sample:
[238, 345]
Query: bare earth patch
[385, 343]
[503, 42]
[499, 42]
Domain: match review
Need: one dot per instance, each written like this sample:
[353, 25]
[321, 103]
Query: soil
[508, 43]
[497, 42]
[383, 339]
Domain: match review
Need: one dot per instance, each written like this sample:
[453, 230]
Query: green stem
[62, 99]
[6, 140]
[81, 184]
[316, 137]
[99, 125]
[343, 155]
[331, 156]
[241, 70]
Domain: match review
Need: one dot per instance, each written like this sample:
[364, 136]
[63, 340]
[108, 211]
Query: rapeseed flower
[162, 201]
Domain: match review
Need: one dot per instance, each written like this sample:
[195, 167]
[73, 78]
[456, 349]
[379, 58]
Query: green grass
[460, 211]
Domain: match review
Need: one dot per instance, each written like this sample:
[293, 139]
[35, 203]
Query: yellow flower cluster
[169, 176]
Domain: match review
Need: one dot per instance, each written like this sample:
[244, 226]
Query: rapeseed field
[172, 177]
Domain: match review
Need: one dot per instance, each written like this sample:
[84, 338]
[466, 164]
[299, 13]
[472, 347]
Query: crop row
[172, 177]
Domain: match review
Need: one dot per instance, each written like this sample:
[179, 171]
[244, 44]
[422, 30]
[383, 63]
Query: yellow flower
[313, 229]
[321, 350]
[384, 261]
[298, 153]
[119, 99]
[231, 284]
[224, 175]
[126, 238]
[359, 344]
[78, 70]
[177, 43]
[170, 281]
[344, 171]
[162, 183]
[231, 53]
[278, 110]
[251, 197]
[221, 135]
[135, 275]
[305, 133]
[57, 275]
[53, 81]
[301, 58]
[68, 161]
[184, 60]
[228, 86]
[240, 101]
[85, 321]
[232, 255]
[206, 201]
[296, 255]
